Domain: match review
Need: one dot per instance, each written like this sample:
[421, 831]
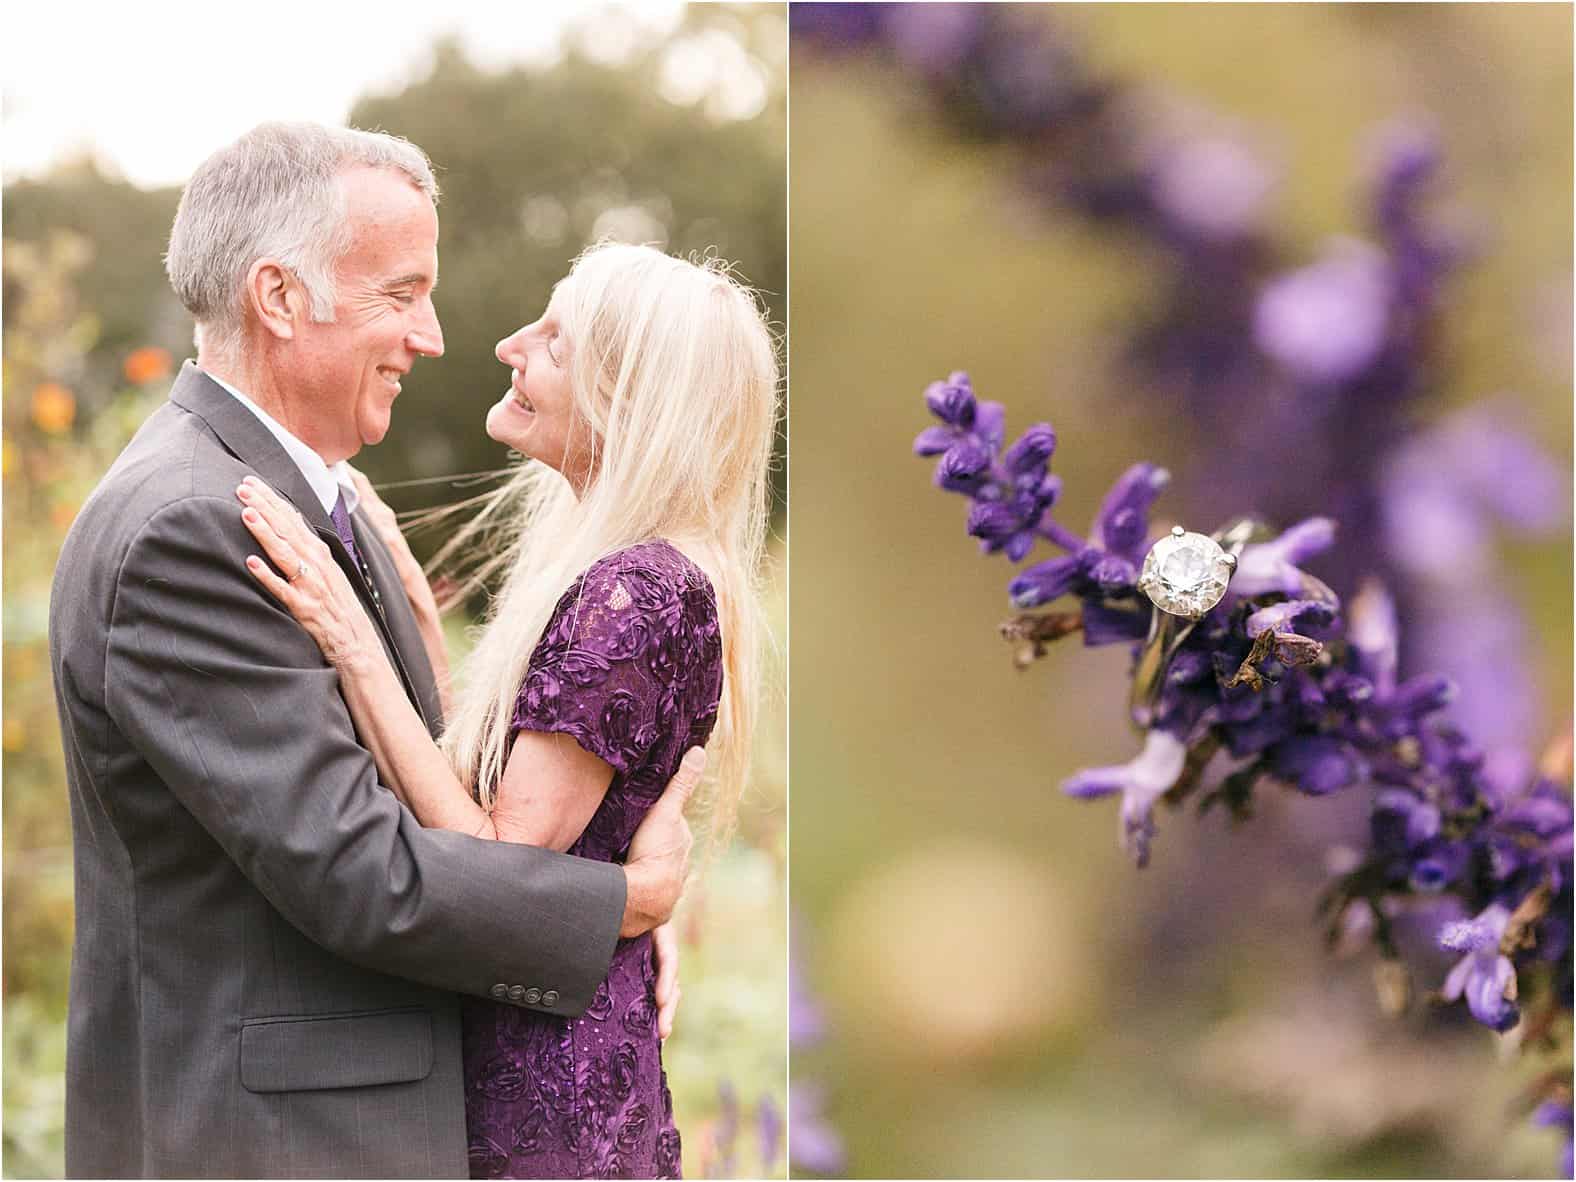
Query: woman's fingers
[279, 551]
[280, 514]
[272, 583]
[279, 522]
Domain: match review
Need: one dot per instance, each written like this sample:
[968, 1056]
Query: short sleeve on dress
[614, 658]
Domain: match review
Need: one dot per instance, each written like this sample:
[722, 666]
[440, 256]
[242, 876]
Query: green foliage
[53, 453]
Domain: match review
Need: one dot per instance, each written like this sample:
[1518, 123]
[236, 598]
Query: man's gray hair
[273, 193]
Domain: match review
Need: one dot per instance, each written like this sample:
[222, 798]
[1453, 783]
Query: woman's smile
[518, 395]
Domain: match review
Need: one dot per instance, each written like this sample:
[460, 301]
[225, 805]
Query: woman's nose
[508, 351]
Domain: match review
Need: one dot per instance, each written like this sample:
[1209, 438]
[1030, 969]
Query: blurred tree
[680, 143]
[535, 164]
[121, 286]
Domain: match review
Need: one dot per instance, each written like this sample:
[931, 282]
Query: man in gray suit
[269, 948]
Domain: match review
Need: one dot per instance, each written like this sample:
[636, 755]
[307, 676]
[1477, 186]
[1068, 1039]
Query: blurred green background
[534, 163]
[1006, 995]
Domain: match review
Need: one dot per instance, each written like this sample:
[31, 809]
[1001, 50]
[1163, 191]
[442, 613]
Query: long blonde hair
[674, 375]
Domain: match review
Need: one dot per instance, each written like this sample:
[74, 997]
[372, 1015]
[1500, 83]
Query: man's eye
[405, 297]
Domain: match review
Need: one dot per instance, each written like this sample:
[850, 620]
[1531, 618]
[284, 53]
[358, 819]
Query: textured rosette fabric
[630, 667]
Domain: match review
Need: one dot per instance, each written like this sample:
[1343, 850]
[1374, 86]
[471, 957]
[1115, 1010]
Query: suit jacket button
[516, 992]
[532, 996]
[550, 998]
[500, 991]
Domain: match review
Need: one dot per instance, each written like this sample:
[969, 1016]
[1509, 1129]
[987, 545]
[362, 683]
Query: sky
[151, 88]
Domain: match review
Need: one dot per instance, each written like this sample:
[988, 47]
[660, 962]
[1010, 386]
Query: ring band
[300, 570]
[1205, 565]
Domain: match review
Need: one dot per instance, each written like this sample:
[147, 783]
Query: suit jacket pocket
[351, 1050]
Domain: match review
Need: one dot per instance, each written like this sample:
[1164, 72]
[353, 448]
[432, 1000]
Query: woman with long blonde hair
[626, 630]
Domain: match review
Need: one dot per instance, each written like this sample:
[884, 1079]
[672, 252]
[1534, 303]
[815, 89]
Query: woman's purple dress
[630, 666]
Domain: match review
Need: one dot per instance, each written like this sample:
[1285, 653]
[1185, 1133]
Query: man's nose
[427, 337]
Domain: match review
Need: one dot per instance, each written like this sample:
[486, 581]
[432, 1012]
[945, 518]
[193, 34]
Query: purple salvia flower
[1404, 820]
[934, 39]
[1326, 322]
[1044, 581]
[1213, 187]
[1556, 1114]
[952, 401]
[1273, 567]
[725, 1134]
[1031, 453]
[769, 1126]
[1485, 977]
[1371, 630]
[965, 467]
[1142, 781]
[1122, 525]
[1316, 764]
[806, 1021]
[812, 1142]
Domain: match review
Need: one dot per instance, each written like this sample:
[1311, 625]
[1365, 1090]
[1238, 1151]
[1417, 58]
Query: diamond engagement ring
[300, 570]
[1184, 575]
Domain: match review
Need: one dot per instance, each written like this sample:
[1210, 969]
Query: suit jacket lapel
[244, 434]
[401, 623]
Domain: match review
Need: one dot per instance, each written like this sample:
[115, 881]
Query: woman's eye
[552, 349]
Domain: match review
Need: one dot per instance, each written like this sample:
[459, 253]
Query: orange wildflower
[54, 408]
[147, 364]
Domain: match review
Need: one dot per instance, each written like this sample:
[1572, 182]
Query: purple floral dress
[630, 666]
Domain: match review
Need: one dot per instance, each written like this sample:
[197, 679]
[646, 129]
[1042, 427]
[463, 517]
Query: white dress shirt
[328, 483]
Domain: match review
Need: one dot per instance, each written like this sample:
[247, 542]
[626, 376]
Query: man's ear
[275, 298]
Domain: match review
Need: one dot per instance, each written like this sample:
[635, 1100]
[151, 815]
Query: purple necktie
[341, 517]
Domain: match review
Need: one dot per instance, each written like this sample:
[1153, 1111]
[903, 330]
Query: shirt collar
[329, 483]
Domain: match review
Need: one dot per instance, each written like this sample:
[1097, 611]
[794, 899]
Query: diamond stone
[1185, 574]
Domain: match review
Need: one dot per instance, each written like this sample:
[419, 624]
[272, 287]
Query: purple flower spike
[1122, 525]
[1483, 976]
[1105, 624]
[1271, 567]
[1142, 782]
[990, 424]
[769, 1127]
[1316, 764]
[1044, 581]
[932, 38]
[812, 1142]
[932, 441]
[1326, 323]
[1557, 1114]
[964, 468]
[1402, 818]
[1213, 187]
[1371, 630]
[952, 401]
[1032, 451]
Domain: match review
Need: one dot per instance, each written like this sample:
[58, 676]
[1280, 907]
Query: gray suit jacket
[269, 948]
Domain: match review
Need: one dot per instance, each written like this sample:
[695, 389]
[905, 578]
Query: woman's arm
[422, 601]
[551, 786]
[321, 599]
